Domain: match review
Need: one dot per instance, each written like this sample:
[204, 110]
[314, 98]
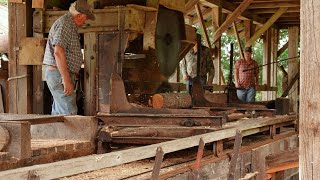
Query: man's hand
[68, 87]
[185, 77]
[237, 84]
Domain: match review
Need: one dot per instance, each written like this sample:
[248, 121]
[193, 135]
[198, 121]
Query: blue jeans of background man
[62, 104]
[189, 82]
[247, 95]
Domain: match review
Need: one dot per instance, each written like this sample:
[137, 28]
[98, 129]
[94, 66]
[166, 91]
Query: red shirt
[247, 78]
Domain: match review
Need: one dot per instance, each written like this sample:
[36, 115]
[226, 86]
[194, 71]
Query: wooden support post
[309, 138]
[217, 21]
[240, 9]
[293, 65]
[90, 59]
[266, 70]
[266, 26]
[20, 81]
[274, 57]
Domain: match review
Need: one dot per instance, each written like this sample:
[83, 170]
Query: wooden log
[4, 137]
[171, 100]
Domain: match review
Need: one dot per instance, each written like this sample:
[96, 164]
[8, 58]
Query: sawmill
[136, 117]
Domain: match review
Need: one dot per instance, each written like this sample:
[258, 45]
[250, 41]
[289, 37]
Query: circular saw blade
[169, 31]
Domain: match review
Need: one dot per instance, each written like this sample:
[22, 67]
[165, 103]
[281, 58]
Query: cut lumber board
[95, 162]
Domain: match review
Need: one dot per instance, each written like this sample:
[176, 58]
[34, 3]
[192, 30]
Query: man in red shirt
[246, 77]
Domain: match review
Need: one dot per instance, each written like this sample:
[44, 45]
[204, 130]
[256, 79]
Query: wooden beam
[274, 4]
[190, 5]
[266, 26]
[240, 27]
[228, 7]
[203, 27]
[240, 9]
[95, 162]
[282, 167]
[282, 49]
[238, 39]
[291, 83]
[205, 15]
[282, 158]
[272, 10]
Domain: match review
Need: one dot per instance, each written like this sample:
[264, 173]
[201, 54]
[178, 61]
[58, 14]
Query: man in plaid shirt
[63, 57]
[246, 77]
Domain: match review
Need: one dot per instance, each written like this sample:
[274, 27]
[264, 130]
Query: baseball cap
[248, 49]
[84, 8]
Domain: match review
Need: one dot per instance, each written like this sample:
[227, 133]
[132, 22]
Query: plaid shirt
[188, 66]
[247, 78]
[64, 32]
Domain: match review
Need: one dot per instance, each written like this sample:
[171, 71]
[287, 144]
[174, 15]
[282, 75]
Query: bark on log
[171, 100]
[4, 137]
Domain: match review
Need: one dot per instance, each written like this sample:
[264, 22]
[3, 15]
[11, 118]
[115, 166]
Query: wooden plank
[266, 26]
[38, 4]
[282, 167]
[32, 51]
[240, 9]
[31, 118]
[94, 162]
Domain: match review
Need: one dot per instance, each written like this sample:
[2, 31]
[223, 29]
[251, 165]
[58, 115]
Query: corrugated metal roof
[4, 36]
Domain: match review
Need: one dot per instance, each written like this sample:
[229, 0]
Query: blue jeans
[62, 104]
[189, 83]
[247, 95]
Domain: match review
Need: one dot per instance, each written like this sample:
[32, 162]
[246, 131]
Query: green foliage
[4, 2]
